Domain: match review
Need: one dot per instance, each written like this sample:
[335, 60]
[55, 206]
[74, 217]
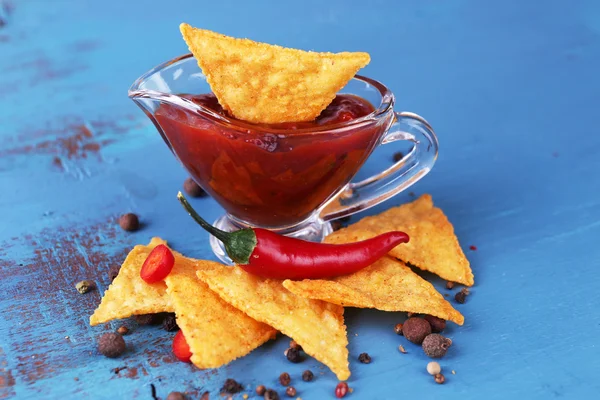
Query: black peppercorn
[231, 386]
[307, 376]
[293, 355]
[285, 379]
[460, 297]
[364, 358]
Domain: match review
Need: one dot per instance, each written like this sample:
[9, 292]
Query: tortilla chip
[128, 294]
[316, 325]
[216, 332]
[433, 246]
[263, 83]
[387, 285]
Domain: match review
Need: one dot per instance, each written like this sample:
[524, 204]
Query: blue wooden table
[511, 88]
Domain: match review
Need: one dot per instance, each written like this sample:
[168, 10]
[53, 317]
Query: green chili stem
[219, 234]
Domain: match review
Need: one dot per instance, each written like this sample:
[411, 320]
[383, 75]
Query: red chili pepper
[158, 264]
[181, 349]
[270, 255]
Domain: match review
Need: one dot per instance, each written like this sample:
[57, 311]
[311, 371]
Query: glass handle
[357, 196]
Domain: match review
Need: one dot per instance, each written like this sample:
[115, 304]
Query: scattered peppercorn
[364, 358]
[398, 329]
[111, 344]
[307, 376]
[231, 386]
[293, 355]
[341, 389]
[123, 330]
[169, 324]
[473, 248]
[85, 286]
[398, 156]
[260, 390]
[436, 345]
[113, 272]
[270, 394]
[434, 368]
[295, 345]
[291, 391]
[285, 379]
[461, 296]
[129, 222]
[193, 189]
[415, 329]
[176, 396]
[449, 285]
[437, 324]
[439, 378]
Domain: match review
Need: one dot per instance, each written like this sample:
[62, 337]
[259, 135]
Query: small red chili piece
[267, 254]
[158, 264]
[181, 349]
[341, 390]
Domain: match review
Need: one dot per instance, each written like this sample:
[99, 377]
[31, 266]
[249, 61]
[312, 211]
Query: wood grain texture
[511, 88]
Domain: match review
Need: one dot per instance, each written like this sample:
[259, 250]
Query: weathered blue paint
[511, 88]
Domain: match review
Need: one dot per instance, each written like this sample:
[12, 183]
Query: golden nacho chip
[433, 245]
[128, 294]
[316, 325]
[387, 285]
[216, 332]
[263, 83]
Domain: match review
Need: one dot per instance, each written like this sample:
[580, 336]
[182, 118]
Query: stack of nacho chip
[225, 312]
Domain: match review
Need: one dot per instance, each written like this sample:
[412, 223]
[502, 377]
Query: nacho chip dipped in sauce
[270, 143]
[264, 83]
